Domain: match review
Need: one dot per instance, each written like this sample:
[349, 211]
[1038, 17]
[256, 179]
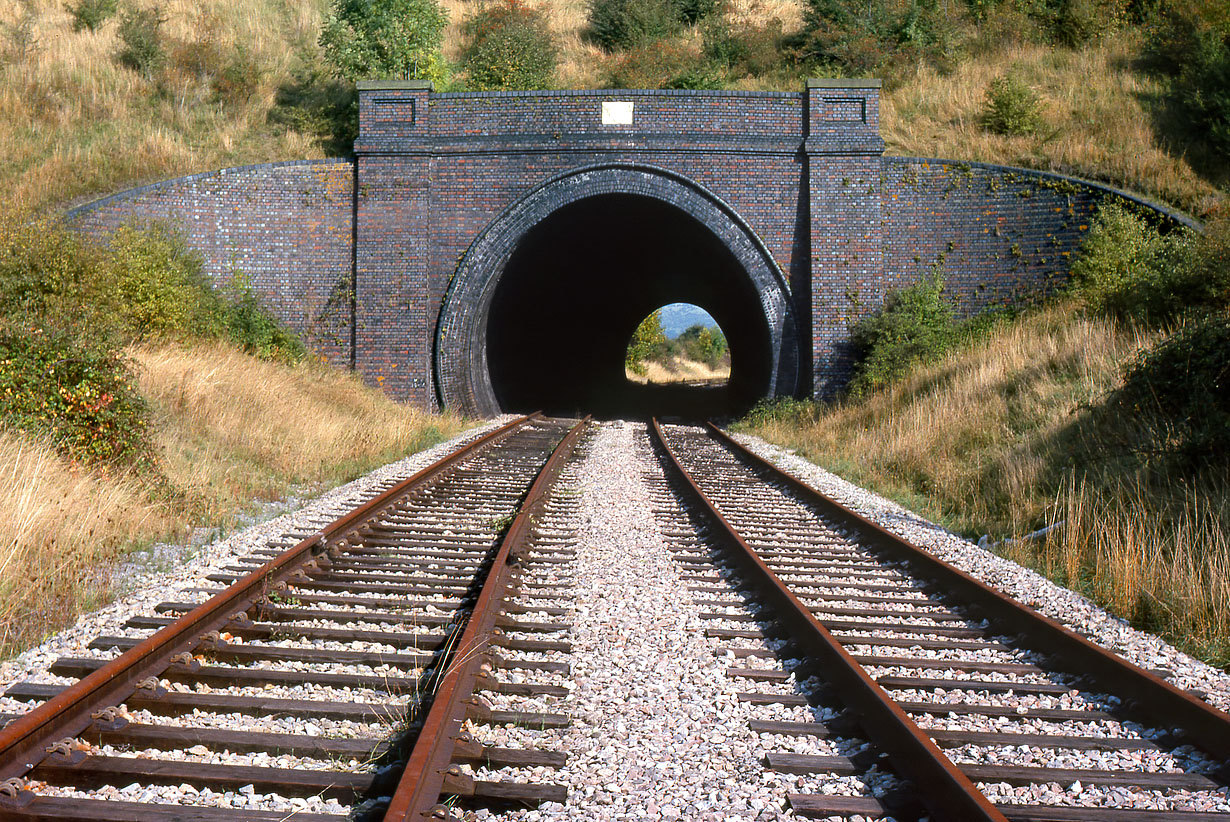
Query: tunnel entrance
[678, 360]
[539, 317]
[580, 283]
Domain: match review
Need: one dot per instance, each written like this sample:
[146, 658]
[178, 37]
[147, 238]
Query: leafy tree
[647, 339]
[385, 39]
[509, 46]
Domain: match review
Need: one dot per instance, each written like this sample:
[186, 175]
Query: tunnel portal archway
[542, 306]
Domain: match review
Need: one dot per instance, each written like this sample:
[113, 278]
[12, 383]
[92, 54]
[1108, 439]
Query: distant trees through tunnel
[578, 284]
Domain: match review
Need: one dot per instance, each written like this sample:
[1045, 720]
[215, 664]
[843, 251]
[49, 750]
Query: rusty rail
[428, 771]
[941, 786]
[1145, 693]
[24, 741]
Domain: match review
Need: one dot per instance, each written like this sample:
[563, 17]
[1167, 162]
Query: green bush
[385, 39]
[745, 50]
[879, 37]
[703, 344]
[699, 77]
[1129, 270]
[91, 14]
[914, 325]
[141, 33]
[509, 45]
[78, 393]
[786, 410]
[48, 271]
[1012, 108]
[1075, 23]
[624, 24]
[1179, 392]
[253, 328]
[692, 12]
[159, 286]
[662, 64]
[238, 78]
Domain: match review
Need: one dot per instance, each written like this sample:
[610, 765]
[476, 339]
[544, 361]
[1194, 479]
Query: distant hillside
[235, 82]
[678, 317]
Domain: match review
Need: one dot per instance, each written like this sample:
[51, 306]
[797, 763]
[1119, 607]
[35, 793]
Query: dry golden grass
[1169, 574]
[972, 440]
[1096, 109]
[74, 122]
[678, 370]
[61, 531]
[231, 429]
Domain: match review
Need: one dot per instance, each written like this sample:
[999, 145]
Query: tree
[646, 340]
[510, 46]
[384, 39]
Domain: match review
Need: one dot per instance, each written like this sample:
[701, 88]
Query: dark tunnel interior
[580, 282]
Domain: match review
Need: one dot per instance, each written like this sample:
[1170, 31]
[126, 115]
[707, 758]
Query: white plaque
[617, 114]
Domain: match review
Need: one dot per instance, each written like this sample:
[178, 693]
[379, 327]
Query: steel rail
[942, 787]
[24, 741]
[427, 775]
[1146, 694]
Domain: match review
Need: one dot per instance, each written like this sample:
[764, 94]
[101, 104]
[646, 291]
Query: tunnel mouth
[580, 282]
[541, 306]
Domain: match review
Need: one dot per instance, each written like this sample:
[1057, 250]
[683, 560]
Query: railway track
[975, 702]
[330, 675]
[417, 658]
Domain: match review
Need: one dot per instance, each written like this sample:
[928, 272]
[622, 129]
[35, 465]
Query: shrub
[91, 14]
[254, 329]
[78, 393]
[384, 39]
[701, 77]
[914, 325]
[623, 24]
[20, 36]
[141, 33]
[1012, 108]
[659, 65]
[238, 78]
[693, 11]
[1075, 23]
[1180, 392]
[46, 270]
[703, 344]
[509, 46]
[788, 411]
[747, 49]
[160, 289]
[1129, 270]
[880, 37]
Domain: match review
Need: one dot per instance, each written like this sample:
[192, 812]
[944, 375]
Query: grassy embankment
[244, 82]
[1004, 435]
[231, 430]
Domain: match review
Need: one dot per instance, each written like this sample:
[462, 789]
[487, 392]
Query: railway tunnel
[568, 285]
[572, 294]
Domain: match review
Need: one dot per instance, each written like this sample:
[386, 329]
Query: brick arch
[461, 369]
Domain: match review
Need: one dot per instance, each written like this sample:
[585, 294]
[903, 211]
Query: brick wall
[287, 226]
[364, 257]
[1003, 235]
